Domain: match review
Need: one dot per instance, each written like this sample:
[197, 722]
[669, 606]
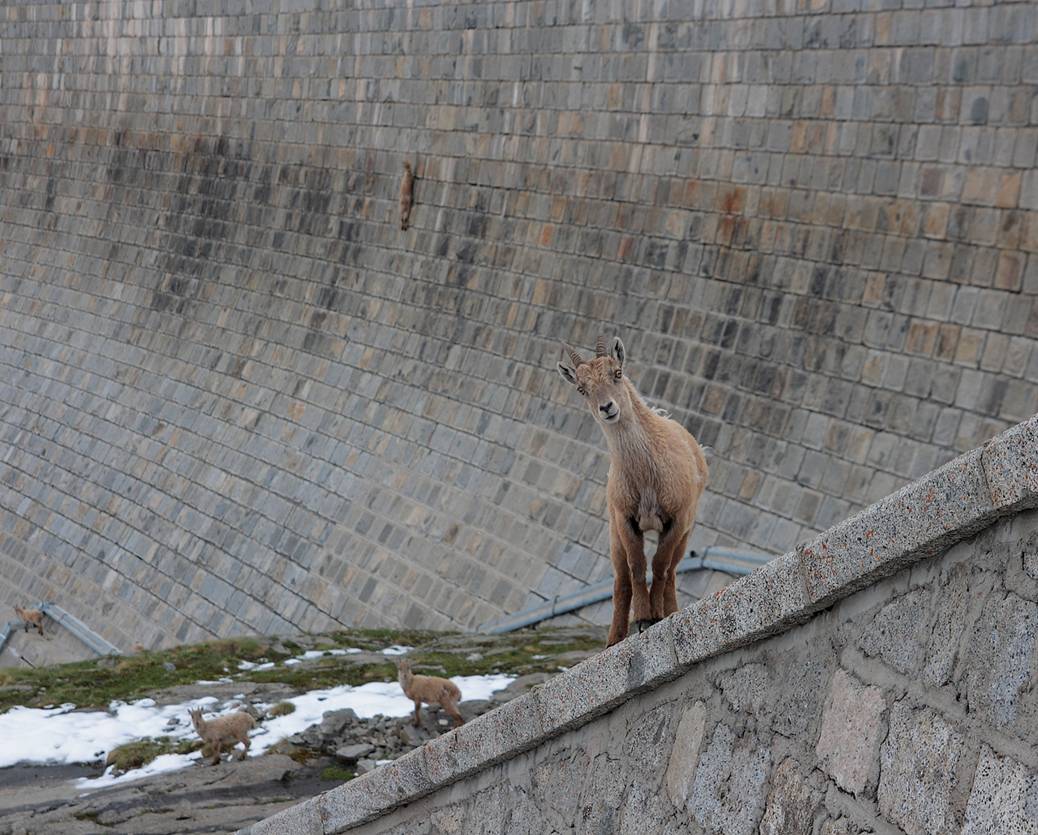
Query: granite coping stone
[944, 507]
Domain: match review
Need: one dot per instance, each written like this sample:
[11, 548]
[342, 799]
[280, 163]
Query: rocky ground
[225, 797]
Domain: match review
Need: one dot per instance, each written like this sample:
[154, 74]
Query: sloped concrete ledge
[920, 520]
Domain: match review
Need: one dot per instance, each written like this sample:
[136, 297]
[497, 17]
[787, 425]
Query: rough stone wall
[911, 704]
[881, 679]
[236, 397]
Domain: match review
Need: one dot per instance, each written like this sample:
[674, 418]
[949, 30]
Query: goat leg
[668, 554]
[621, 589]
[452, 711]
[633, 542]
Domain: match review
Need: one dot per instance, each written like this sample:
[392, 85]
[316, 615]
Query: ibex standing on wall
[657, 472]
[406, 196]
[31, 618]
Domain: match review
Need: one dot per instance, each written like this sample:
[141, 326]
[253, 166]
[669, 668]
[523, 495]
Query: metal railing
[713, 557]
[79, 629]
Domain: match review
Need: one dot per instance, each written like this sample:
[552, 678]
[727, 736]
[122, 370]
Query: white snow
[311, 654]
[251, 665]
[163, 762]
[367, 700]
[320, 653]
[63, 735]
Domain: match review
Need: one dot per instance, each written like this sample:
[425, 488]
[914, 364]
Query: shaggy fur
[431, 690]
[31, 618]
[406, 196]
[226, 730]
[657, 472]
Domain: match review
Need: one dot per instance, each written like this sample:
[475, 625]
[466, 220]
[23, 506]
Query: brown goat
[657, 472]
[406, 196]
[223, 730]
[432, 690]
[30, 618]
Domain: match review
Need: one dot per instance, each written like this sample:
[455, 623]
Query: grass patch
[140, 752]
[96, 683]
[337, 773]
[324, 673]
[515, 655]
[282, 709]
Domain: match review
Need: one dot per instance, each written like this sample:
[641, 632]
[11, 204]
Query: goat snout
[609, 411]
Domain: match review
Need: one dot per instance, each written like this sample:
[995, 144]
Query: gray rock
[334, 722]
[352, 753]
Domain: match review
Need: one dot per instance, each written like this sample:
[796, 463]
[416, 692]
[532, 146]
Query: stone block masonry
[903, 700]
[236, 397]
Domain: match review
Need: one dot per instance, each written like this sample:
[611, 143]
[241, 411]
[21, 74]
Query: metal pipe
[713, 557]
[79, 629]
[6, 631]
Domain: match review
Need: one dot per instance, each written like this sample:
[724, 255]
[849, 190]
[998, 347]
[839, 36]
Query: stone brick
[1004, 797]
[852, 729]
[1002, 662]
[684, 756]
[791, 802]
[726, 792]
[918, 763]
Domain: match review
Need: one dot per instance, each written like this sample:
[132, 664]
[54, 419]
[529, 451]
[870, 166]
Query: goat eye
[618, 374]
[582, 391]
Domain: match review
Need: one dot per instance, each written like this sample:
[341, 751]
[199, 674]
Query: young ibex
[431, 690]
[226, 730]
[657, 472]
[406, 196]
[31, 618]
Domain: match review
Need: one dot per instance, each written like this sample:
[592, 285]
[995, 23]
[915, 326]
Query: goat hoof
[642, 625]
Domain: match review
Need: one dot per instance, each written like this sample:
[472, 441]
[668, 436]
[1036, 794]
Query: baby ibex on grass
[31, 618]
[226, 730]
[657, 472]
[431, 690]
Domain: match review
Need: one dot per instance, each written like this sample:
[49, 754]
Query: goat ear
[619, 354]
[567, 374]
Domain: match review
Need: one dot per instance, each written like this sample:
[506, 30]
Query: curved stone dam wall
[882, 678]
[235, 396]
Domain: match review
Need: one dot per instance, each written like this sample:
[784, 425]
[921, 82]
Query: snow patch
[63, 735]
[367, 700]
[159, 765]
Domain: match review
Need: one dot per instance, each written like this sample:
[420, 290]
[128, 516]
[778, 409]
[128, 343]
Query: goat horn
[600, 346]
[574, 357]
